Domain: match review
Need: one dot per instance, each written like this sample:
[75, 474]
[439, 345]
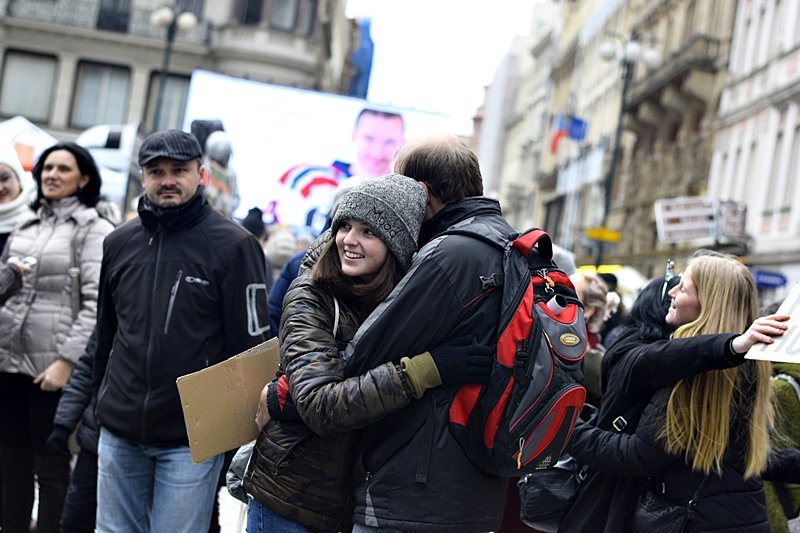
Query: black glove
[461, 360]
[57, 441]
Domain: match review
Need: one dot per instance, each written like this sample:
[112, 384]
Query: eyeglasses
[669, 273]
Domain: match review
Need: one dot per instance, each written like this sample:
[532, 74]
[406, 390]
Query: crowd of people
[380, 320]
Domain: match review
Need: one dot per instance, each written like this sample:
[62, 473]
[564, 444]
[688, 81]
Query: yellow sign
[603, 233]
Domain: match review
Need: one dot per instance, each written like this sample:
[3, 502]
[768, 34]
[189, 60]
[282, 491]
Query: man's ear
[203, 176]
[141, 176]
[432, 202]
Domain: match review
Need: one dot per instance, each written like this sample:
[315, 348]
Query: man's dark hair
[379, 113]
[90, 193]
[363, 296]
[449, 167]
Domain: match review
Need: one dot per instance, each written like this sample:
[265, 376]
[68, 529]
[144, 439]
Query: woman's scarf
[13, 212]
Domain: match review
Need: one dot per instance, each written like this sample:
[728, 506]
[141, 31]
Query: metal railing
[89, 14]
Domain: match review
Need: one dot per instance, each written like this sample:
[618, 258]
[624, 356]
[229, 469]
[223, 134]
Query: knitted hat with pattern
[393, 206]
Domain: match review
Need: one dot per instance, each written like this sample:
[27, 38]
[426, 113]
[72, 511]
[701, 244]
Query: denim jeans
[261, 519]
[143, 489]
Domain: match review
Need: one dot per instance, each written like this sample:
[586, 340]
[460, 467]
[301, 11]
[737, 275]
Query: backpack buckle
[620, 423]
[495, 280]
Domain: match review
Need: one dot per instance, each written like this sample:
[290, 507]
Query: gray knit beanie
[393, 206]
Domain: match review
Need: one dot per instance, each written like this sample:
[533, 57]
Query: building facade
[670, 110]
[756, 152]
[71, 64]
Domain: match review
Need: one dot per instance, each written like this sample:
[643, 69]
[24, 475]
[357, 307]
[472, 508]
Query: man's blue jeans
[143, 489]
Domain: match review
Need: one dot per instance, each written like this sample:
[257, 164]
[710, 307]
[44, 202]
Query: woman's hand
[14, 260]
[764, 329]
[55, 376]
[262, 414]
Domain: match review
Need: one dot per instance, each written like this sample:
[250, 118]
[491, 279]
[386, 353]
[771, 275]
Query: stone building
[756, 152]
[71, 64]
[670, 111]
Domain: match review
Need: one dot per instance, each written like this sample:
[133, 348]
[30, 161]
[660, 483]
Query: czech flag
[566, 126]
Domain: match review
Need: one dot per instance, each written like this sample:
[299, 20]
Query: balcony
[89, 14]
[278, 47]
[700, 55]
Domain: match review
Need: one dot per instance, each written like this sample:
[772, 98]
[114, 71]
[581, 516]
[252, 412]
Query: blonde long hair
[699, 410]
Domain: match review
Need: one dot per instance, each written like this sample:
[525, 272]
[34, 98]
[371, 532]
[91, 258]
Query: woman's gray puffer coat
[44, 328]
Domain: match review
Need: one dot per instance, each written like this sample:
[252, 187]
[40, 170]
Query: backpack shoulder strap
[497, 243]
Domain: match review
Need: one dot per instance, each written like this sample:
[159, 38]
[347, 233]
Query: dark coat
[412, 474]
[728, 502]
[278, 291]
[303, 469]
[77, 401]
[631, 371]
[180, 290]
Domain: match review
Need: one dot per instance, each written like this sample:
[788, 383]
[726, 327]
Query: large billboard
[292, 147]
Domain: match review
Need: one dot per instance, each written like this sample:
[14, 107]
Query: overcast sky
[437, 55]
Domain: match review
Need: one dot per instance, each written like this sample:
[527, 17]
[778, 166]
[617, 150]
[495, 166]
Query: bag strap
[74, 270]
[634, 412]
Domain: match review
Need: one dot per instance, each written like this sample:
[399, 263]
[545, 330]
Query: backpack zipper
[548, 281]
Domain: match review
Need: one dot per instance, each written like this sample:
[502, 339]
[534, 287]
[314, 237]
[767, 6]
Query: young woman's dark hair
[362, 295]
[647, 318]
[90, 193]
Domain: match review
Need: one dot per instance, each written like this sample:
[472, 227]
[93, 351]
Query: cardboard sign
[220, 402]
[785, 349]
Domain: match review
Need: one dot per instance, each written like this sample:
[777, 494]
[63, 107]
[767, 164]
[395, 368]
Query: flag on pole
[566, 126]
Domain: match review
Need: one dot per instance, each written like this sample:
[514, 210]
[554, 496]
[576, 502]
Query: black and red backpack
[521, 420]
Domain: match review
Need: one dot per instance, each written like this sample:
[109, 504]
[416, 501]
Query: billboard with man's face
[292, 148]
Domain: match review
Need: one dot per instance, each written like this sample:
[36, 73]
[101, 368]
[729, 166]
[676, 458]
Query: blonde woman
[713, 425]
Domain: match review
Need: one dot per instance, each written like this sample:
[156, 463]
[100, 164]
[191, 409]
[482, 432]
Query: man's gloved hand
[57, 441]
[458, 361]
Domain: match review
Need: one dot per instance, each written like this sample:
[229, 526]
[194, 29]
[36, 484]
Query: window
[308, 16]
[114, 15]
[250, 12]
[101, 95]
[283, 15]
[791, 180]
[27, 86]
[777, 31]
[173, 101]
[195, 6]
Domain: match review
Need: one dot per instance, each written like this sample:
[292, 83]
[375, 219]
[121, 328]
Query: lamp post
[174, 21]
[630, 52]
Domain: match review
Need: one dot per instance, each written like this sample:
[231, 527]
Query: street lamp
[628, 54]
[174, 21]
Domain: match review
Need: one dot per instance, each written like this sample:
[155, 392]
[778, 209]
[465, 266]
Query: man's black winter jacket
[180, 289]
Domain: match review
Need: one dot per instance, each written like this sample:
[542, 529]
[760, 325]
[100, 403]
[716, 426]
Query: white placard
[785, 349]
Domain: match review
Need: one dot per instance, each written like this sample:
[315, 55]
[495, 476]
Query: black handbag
[654, 513]
[546, 496]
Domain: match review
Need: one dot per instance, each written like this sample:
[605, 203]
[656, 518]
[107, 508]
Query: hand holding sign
[774, 337]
